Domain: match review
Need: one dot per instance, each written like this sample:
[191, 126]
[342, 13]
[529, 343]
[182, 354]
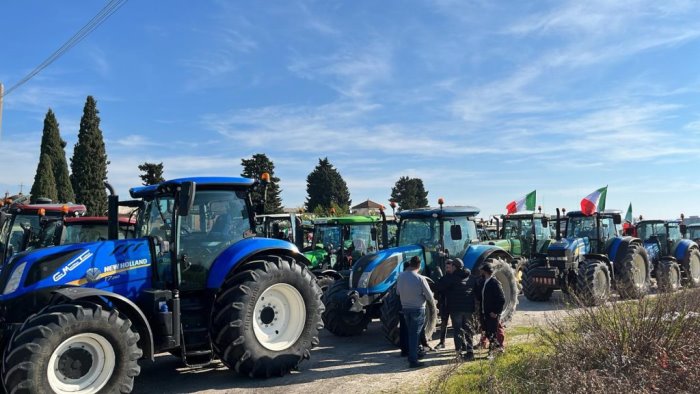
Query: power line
[107, 11]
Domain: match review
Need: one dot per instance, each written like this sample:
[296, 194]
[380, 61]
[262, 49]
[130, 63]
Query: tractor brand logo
[126, 265]
[72, 265]
[92, 274]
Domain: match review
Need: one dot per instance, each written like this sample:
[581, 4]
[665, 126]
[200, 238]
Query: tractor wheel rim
[694, 268]
[82, 364]
[675, 278]
[601, 284]
[639, 271]
[279, 317]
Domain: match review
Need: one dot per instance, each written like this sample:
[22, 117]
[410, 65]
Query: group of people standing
[463, 298]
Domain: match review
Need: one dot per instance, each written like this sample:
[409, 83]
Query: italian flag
[526, 203]
[628, 216]
[594, 201]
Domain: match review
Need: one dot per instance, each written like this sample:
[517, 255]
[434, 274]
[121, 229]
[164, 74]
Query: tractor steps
[197, 350]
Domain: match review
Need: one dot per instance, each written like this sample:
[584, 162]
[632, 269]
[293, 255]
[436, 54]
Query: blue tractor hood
[376, 273]
[571, 245]
[121, 266]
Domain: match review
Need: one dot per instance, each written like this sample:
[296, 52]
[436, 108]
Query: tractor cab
[286, 226]
[31, 226]
[693, 232]
[595, 232]
[660, 237]
[524, 234]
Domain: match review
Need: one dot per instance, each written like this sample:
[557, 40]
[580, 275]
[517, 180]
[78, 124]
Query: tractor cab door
[217, 220]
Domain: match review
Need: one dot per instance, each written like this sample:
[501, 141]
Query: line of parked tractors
[195, 269]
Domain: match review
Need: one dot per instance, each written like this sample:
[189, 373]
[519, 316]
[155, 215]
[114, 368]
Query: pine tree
[253, 168]
[152, 173]
[409, 193]
[44, 183]
[325, 187]
[89, 162]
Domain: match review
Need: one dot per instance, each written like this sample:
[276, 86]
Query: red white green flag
[526, 203]
[594, 201]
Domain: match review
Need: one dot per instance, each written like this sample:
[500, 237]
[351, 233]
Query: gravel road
[362, 364]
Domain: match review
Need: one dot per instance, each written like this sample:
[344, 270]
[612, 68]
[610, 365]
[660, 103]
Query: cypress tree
[54, 146]
[253, 168]
[44, 183]
[326, 188]
[89, 162]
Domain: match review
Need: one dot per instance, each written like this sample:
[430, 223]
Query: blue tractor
[676, 261]
[589, 260]
[195, 282]
[433, 234]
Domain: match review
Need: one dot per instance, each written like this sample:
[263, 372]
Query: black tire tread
[585, 283]
[625, 282]
[333, 316]
[532, 291]
[685, 265]
[663, 276]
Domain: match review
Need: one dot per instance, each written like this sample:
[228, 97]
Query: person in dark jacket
[459, 289]
[492, 300]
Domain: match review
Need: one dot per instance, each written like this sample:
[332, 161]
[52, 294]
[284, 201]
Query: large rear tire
[71, 348]
[531, 290]
[593, 283]
[505, 274]
[691, 268]
[325, 281]
[633, 273]
[389, 316]
[336, 317]
[266, 318]
[668, 276]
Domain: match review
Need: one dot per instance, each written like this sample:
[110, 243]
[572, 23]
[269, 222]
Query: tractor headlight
[363, 283]
[16, 276]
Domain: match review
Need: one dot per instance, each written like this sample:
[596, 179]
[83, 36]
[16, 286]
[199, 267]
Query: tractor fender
[605, 260]
[229, 260]
[476, 255]
[618, 248]
[123, 304]
[332, 273]
[683, 248]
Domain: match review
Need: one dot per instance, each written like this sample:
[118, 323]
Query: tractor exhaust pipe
[385, 229]
[558, 236]
[112, 213]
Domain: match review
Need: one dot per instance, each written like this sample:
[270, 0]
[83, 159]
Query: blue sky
[485, 101]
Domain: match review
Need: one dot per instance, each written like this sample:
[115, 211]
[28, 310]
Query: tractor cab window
[21, 222]
[418, 231]
[542, 232]
[674, 232]
[456, 247]
[581, 227]
[651, 231]
[328, 236]
[693, 232]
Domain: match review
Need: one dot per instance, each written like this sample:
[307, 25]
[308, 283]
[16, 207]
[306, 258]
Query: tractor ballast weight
[590, 260]
[194, 283]
[432, 234]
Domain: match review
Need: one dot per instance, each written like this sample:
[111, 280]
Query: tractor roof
[50, 209]
[607, 213]
[525, 215]
[358, 219]
[150, 190]
[694, 225]
[97, 220]
[437, 212]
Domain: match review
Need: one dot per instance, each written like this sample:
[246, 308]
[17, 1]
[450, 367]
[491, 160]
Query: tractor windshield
[647, 230]
[356, 237]
[581, 227]
[328, 236]
[694, 232]
[674, 232]
[517, 229]
[426, 232]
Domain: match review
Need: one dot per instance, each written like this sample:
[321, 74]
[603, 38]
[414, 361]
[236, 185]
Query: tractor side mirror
[373, 233]
[545, 221]
[617, 219]
[456, 232]
[186, 198]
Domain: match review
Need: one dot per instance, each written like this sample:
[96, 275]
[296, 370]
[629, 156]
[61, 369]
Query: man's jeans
[463, 331]
[415, 319]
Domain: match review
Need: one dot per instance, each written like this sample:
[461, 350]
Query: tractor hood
[568, 247]
[110, 265]
[376, 273]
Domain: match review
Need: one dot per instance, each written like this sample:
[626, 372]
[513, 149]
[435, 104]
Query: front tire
[668, 276]
[504, 273]
[691, 268]
[336, 317]
[593, 283]
[633, 273]
[389, 316]
[72, 348]
[266, 318]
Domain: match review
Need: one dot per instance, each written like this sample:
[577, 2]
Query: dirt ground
[363, 364]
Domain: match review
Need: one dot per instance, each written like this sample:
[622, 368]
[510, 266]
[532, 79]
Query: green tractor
[339, 241]
[524, 235]
[285, 226]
